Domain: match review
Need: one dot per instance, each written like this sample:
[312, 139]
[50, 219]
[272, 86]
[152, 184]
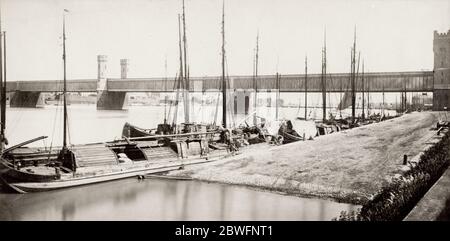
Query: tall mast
[323, 78]
[362, 82]
[186, 79]
[405, 98]
[3, 89]
[357, 74]
[255, 83]
[165, 90]
[224, 84]
[65, 87]
[382, 107]
[181, 52]
[368, 98]
[3, 97]
[277, 95]
[306, 87]
[180, 79]
[353, 74]
[257, 54]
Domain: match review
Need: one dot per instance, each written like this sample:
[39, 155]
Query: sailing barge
[26, 169]
[32, 170]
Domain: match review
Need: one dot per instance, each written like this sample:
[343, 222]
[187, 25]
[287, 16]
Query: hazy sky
[392, 35]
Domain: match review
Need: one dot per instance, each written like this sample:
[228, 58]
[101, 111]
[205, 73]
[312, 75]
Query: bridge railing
[375, 82]
[85, 85]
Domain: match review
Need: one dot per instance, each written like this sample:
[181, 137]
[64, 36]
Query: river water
[154, 199]
[131, 199]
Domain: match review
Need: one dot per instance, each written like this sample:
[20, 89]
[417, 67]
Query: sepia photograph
[224, 110]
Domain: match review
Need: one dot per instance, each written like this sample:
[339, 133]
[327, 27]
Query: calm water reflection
[154, 199]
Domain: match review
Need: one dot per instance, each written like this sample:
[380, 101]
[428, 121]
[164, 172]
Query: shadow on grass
[445, 214]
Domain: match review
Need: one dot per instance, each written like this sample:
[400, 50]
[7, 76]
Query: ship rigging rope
[170, 102]
[177, 96]
[18, 117]
[217, 108]
[69, 136]
[230, 100]
[16, 122]
[54, 121]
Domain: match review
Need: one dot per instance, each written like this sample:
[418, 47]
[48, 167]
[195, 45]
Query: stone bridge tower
[441, 49]
[108, 100]
[124, 65]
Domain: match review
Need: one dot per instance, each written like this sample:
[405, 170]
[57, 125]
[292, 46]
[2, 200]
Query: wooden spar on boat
[255, 80]
[306, 87]
[186, 79]
[353, 76]
[164, 136]
[323, 78]
[277, 82]
[368, 98]
[224, 84]
[180, 80]
[362, 87]
[173, 88]
[382, 107]
[3, 92]
[165, 90]
[357, 74]
[168, 177]
[24, 143]
[65, 82]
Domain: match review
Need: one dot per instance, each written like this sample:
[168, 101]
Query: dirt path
[348, 166]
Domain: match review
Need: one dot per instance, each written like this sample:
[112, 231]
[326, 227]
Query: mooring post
[405, 159]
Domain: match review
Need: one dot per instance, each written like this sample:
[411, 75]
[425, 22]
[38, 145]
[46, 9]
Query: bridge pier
[110, 100]
[26, 99]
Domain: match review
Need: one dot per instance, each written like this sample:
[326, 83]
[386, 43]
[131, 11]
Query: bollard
[304, 137]
[405, 159]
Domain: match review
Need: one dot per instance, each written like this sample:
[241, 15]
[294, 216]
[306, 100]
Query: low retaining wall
[394, 201]
[434, 202]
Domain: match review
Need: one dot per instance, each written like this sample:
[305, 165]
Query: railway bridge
[112, 92]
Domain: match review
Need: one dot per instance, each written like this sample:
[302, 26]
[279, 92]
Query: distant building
[441, 49]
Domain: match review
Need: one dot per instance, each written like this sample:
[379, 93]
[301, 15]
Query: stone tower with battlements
[441, 50]
[124, 65]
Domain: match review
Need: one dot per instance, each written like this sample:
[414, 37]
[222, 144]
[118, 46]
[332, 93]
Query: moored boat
[26, 169]
[36, 169]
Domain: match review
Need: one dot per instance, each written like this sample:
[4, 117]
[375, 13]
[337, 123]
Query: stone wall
[441, 50]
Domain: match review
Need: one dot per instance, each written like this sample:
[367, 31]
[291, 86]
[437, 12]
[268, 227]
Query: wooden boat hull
[24, 187]
[131, 131]
[10, 173]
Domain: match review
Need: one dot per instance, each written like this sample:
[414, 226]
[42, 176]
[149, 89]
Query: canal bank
[350, 166]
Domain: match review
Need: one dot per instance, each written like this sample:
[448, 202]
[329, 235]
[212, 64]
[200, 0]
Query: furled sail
[346, 101]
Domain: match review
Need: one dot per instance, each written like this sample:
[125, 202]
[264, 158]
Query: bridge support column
[26, 99]
[241, 100]
[108, 100]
